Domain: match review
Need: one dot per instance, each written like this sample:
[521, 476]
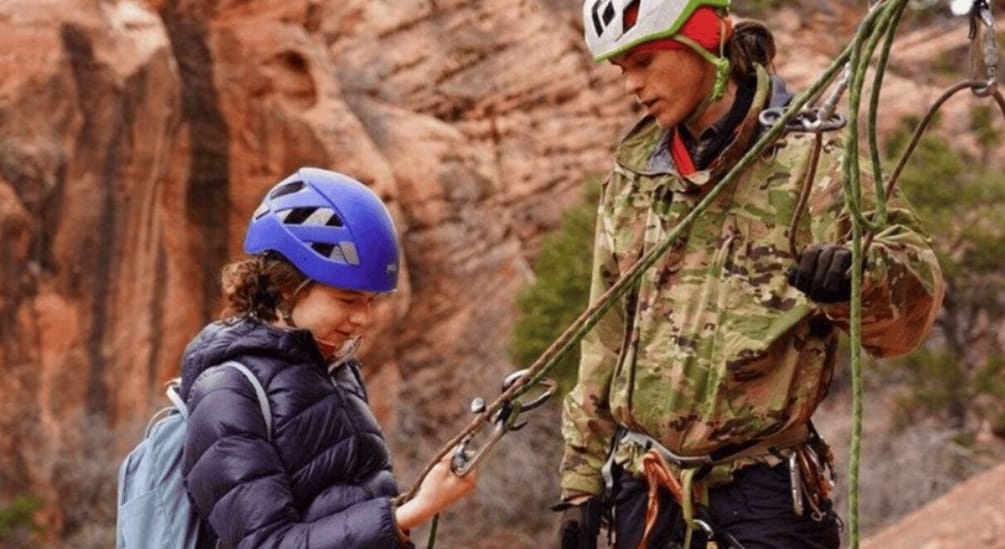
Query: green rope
[855, 335]
[877, 86]
[873, 27]
[879, 24]
[585, 322]
[431, 541]
[578, 329]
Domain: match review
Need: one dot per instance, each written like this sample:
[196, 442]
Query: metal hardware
[505, 419]
[796, 480]
[984, 54]
[807, 121]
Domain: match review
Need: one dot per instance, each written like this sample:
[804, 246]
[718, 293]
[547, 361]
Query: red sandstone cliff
[136, 138]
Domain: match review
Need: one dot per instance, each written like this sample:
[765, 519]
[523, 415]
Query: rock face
[972, 514]
[137, 137]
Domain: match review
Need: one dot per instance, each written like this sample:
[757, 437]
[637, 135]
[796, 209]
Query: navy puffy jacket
[325, 478]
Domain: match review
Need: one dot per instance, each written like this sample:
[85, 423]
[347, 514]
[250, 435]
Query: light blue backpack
[154, 510]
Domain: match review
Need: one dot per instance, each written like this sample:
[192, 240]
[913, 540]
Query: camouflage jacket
[713, 347]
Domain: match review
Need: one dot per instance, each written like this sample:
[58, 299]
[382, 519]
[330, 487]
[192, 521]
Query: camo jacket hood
[713, 347]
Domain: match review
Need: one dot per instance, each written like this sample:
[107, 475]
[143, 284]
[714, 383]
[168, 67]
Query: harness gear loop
[658, 474]
[697, 474]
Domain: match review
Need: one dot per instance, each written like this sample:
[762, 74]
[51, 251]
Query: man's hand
[580, 523]
[823, 273]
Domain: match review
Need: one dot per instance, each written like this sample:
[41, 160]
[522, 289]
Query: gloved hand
[580, 524]
[822, 273]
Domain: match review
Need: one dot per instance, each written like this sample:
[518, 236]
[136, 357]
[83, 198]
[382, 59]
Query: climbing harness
[691, 496]
[803, 114]
[688, 478]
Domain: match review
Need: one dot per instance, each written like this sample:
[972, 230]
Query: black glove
[580, 524]
[822, 273]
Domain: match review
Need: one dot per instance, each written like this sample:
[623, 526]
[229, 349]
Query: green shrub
[17, 520]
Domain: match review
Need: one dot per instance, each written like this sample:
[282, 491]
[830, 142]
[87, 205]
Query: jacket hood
[241, 338]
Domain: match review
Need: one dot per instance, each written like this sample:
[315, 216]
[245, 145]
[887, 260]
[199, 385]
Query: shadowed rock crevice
[101, 134]
[157, 312]
[207, 190]
[291, 78]
[95, 256]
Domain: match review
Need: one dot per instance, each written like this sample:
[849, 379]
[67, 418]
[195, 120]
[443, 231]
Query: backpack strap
[263, 399]
[175, 398]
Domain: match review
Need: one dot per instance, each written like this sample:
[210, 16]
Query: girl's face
[333, 315]
[669, 84]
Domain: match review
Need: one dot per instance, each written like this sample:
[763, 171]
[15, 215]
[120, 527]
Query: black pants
[755, 509]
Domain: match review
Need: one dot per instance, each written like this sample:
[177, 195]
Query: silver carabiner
[796, 482]
[807, 121]
[504, 419]
[984, 49]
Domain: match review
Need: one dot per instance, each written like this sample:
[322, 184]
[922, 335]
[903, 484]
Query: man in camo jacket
[727, 345]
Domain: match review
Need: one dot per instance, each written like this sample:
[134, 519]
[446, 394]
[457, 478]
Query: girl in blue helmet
[322, 247]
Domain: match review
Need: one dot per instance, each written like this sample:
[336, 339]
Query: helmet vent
[608, 15]
[344, 252]
[289, 188]
[627, 18]
[312, 216]
[323, 249]
[595, 16]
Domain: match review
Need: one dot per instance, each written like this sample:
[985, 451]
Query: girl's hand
[439, 490]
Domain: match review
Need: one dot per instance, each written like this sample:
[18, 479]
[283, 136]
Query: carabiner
[504, 419]
[984, 48]
[807, 121]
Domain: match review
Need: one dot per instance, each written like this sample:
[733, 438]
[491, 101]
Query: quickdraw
[503, 414]
[505, 419]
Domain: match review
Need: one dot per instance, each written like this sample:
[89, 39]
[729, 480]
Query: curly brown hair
[259, 286]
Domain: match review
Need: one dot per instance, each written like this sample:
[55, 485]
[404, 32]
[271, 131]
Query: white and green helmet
[604, 25]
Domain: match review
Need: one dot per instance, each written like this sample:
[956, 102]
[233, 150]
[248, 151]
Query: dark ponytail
[258, 286]
[752, 44]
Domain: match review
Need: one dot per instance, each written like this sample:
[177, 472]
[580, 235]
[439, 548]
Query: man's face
[669, 84]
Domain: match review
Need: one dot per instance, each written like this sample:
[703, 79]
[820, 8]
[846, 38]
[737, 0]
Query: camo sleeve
[902, 284]
[587, 425]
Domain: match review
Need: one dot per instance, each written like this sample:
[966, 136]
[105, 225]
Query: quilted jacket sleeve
[238, 484]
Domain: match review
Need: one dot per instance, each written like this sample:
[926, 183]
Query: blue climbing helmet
[331, 227]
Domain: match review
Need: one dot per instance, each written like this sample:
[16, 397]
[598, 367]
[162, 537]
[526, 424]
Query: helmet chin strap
[286, 311]
[344, 354]
[722, 68]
